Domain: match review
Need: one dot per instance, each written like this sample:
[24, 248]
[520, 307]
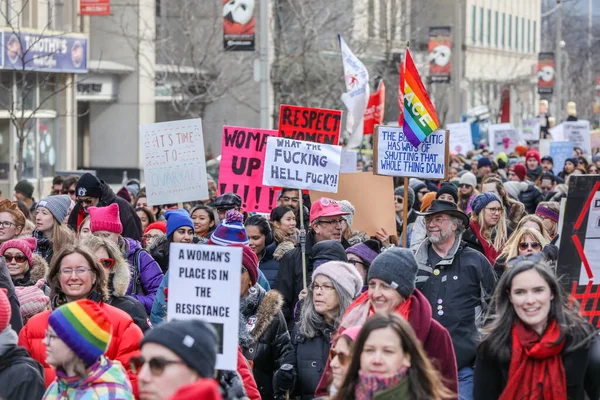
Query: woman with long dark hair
[260, 237]
[389, 362]
[535, 346]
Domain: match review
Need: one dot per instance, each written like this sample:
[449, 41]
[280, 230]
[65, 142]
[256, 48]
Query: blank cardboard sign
[372, 197]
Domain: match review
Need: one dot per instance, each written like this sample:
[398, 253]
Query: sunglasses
[71, 192]
[19, 258]
[85, 201]
[107, 262]
[532, 245]
[399, 200]
[464, 185]
[343, 358]
[157, 364]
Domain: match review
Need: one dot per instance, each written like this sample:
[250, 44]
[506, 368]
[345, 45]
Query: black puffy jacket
[16, 322]
[268, 265]
[531, 198]
[21, 377]
[310, 357]
[264, 338]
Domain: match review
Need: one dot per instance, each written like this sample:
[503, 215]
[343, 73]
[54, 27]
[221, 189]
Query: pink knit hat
[352, 332]
[4, 309]
[26, 245]
[105, 219]
[32, 299]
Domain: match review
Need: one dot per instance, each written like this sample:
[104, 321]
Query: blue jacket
[268, 265]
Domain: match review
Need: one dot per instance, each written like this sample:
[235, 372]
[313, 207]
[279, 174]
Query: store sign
[94, 7]
[97, 88]
[35, 52]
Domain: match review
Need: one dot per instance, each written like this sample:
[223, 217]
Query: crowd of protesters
[469, 308]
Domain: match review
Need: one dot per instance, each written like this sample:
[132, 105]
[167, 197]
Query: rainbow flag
[420, 118]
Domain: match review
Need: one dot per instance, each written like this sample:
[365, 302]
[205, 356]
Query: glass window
[528, 35]
[48, 87]
[496, 29]
[371, 13]
[481, 25]
[510, 32]
[25, 15]
[4, 148]
[383, 19]
[29, 153]
[25, 91]
[489, 27]
[534, 36]
[6, 88]
[517, 33]
[473, 24]
[47, 146]
[503, 29]
[523, 34]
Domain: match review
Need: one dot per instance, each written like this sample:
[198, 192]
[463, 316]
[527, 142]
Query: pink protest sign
[242, 165]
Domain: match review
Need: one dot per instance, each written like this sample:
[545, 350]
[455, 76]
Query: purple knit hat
[366, 251]
[230, 231]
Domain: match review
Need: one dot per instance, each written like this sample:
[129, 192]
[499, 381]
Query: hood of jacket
[107, 196]
[262, 305]
[37, 271]
[119, 279]
[160, 251]
[328, 250]
[282, 249]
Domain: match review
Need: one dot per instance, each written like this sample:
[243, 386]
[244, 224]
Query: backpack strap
[137, 288]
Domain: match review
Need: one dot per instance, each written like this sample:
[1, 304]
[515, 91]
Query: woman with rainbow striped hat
[78, 335]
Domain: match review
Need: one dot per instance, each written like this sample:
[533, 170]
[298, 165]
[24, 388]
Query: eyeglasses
[493, 210]
[343, 358]
[157, 364]
[71, 192]
[532, 245]
[357, 262]
[462, 185]
[78, 271]
[292, 199]
[326, 288]
[436, 220]
[6, 224]
[424, 191]
[225, 209]
[244, 270]
[107, 262]
[20, 258]
[399, 200]
[332, 222]
[50, 336]
[85, 201]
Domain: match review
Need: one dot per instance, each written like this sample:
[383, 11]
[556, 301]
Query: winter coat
[531, 198]
[37, 270]
[418, 233]
[124, 344]
[149, 274]
[21, 377]
[16, 322]
[32, 289]
[132, 226]
[104, 380]
[534, 174]
[159, 306]
[412, 217]
[268, 265]
[205, 389]
[459, 294]
[245, 375]
[582, 369]
[310, 358]
[514, 213]
[118, 283]
[472, 241]
[44, 246]
[264, 338]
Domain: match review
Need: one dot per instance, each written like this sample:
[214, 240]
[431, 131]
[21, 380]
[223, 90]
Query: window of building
[522, 34]
[489, 27]
[473, 24]
[481, 25]
[371, 14]
[496, 29]
[56, 14]
[502, 38]
[26, 15]
[534, 36]
[528, 35]
[510, 31]
[383, 19]
[517, 33]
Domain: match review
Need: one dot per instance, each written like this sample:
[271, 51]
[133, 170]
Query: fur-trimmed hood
[282, 249]
[119, 279]
[265, 306]
[38, 270]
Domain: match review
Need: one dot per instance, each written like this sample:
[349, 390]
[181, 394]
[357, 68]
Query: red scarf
[488, 250]
[536, 368]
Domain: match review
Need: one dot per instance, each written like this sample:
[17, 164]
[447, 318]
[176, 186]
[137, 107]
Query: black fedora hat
[446, 207]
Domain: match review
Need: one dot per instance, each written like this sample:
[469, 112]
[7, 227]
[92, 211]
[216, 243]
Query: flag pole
[405, 214]
[302, 238]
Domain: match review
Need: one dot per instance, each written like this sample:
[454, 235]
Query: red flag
[401, 95]
[375, 109]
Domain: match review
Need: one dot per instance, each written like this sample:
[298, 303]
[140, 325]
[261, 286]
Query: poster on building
[317, 125]
[461, 140]
[202, 279]
[302, 165]
[242, 165]
[545, 72]
[238, 25]
[174, 161]
[579, 250]
[559, 151]
[440, 54]
[394, 155]
[94, 7]
[44, 53]
[503, 137]
[531, 129]
[578, 133]
[375, 109]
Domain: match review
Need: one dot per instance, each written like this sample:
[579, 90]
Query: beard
[441, 237]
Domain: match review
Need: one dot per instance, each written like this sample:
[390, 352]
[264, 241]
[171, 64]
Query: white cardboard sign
[174, 161]
[204, 283]
[461, 140]
[503, 138]
[302, 165]
[578, 133]
[349, 160]
[531, 129]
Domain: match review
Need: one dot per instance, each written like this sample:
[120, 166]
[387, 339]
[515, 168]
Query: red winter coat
[244, 370]
[124, 344]
[205, 389]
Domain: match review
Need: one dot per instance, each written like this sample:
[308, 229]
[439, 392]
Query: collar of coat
[266, 306]
[422, 254]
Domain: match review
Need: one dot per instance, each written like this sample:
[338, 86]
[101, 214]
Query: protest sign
[560, 151]
[317, 125]
[595, 140]
[531, 129]
[579, 250]
[348, 161]
[302, 165]
[396, 156]
[503, 137]
[174, 161]
[578, 133]
[461, 141]
[557, 132]
[202, 279]
[242, 164]
[373, 203]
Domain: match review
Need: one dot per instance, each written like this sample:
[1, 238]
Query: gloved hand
[551, 252]
[284, 379]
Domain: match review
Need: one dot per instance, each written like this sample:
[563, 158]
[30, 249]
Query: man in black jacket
[92, 192]
[325, 224]
[457, 281]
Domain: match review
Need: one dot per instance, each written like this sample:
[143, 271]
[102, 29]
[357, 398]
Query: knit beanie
[482, 200]
[25, 188]
[484, 162]
[502, 157]
[533, 153]
[448, 188]
[124, 194]
[416, 184]
[468, 179]
[398, 268]
[58, 205]
[177, 219]
[84, 328]
[5, 311]
[26, 245]
[352, 332]
[573, 160]
[193, 340]
[133, 189]
[347, 207]
[545, 212]
[344, 274]
[105, 219]
[366, 251]
[596, 158]
[426, 201]
[250, 261]
[33, 300]
[231, 230]
[160, 225]
[515, 188]
[521, 171]
[399, 191]
[88, 186]
[521, 150]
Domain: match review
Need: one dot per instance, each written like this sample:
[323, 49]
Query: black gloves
[284, 379]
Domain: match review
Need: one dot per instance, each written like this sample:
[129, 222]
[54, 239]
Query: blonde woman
[534, 222]
[523, 242]
[52, 236]
[487, 231]
[549, 212]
